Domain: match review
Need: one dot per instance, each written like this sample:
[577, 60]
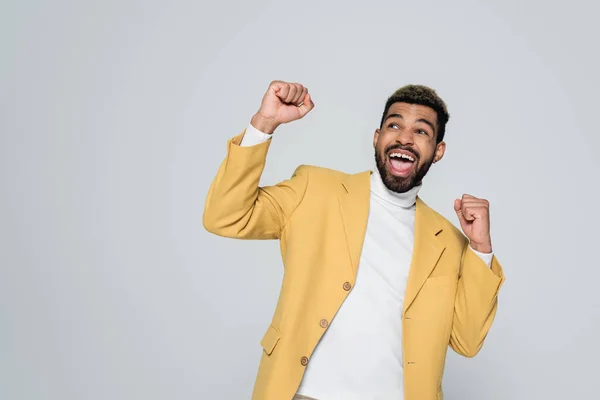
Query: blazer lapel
[427, 250]
[354, 207]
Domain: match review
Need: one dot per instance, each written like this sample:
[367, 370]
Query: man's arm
[476, 298]
[475, 303]
[236, 206]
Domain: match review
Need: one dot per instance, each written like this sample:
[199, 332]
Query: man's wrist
[482, 248]
[263, 124]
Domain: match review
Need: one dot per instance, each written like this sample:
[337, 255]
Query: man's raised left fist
[474, 216]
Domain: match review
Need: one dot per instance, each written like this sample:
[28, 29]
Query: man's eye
[393, 125]
[422, 132]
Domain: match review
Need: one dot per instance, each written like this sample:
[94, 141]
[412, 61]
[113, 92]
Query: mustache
[399, 146]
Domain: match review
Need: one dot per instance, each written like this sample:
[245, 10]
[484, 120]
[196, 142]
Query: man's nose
[405, 137]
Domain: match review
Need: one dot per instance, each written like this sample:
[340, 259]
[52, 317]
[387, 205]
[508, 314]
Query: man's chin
[397, 183]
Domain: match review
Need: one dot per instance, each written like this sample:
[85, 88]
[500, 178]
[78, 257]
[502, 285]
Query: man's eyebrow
[393, 116]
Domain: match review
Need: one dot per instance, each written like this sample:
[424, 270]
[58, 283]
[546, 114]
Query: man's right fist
[284, 102]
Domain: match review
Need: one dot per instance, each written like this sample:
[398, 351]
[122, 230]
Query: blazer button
[323, 323]
[304, 361]
[347, 286]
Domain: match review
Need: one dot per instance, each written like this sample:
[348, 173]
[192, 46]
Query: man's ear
[440, 149]
[375, 138]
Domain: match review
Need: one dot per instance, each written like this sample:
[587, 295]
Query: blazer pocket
[270, 339]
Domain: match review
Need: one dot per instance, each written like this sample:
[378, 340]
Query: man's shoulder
[327, 175]
[448, 227]
[321, 180]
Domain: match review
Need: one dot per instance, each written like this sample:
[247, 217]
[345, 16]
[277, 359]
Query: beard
[400, 184]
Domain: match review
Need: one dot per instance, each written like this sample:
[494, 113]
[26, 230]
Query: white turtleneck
[360, 354]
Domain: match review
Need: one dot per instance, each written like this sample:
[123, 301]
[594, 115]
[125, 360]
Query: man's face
[405, 145]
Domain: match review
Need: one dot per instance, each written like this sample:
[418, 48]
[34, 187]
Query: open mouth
[401, 162]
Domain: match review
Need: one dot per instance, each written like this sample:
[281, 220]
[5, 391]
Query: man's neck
[404, 200]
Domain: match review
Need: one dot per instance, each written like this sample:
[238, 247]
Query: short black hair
[424, 96]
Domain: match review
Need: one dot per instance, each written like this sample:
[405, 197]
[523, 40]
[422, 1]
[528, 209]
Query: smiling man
[377, 285]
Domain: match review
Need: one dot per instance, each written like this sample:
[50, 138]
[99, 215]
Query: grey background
[114, 119]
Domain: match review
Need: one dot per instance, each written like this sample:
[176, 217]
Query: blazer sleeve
[475, 303]
[236, 207]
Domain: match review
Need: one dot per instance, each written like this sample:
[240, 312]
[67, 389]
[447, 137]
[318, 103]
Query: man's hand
[474, 217]
[284, 102]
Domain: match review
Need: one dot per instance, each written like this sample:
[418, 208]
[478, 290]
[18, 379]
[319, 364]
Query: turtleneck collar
[404, 200]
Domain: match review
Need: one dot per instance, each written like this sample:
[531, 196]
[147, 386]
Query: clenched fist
[283, 102]
[474, 217]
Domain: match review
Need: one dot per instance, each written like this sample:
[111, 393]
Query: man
[376, 283]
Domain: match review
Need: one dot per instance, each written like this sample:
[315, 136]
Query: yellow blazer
[320, 217]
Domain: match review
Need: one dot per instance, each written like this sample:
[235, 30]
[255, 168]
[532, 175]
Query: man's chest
[387, 250]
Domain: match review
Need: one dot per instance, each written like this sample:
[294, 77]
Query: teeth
[402, 155]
